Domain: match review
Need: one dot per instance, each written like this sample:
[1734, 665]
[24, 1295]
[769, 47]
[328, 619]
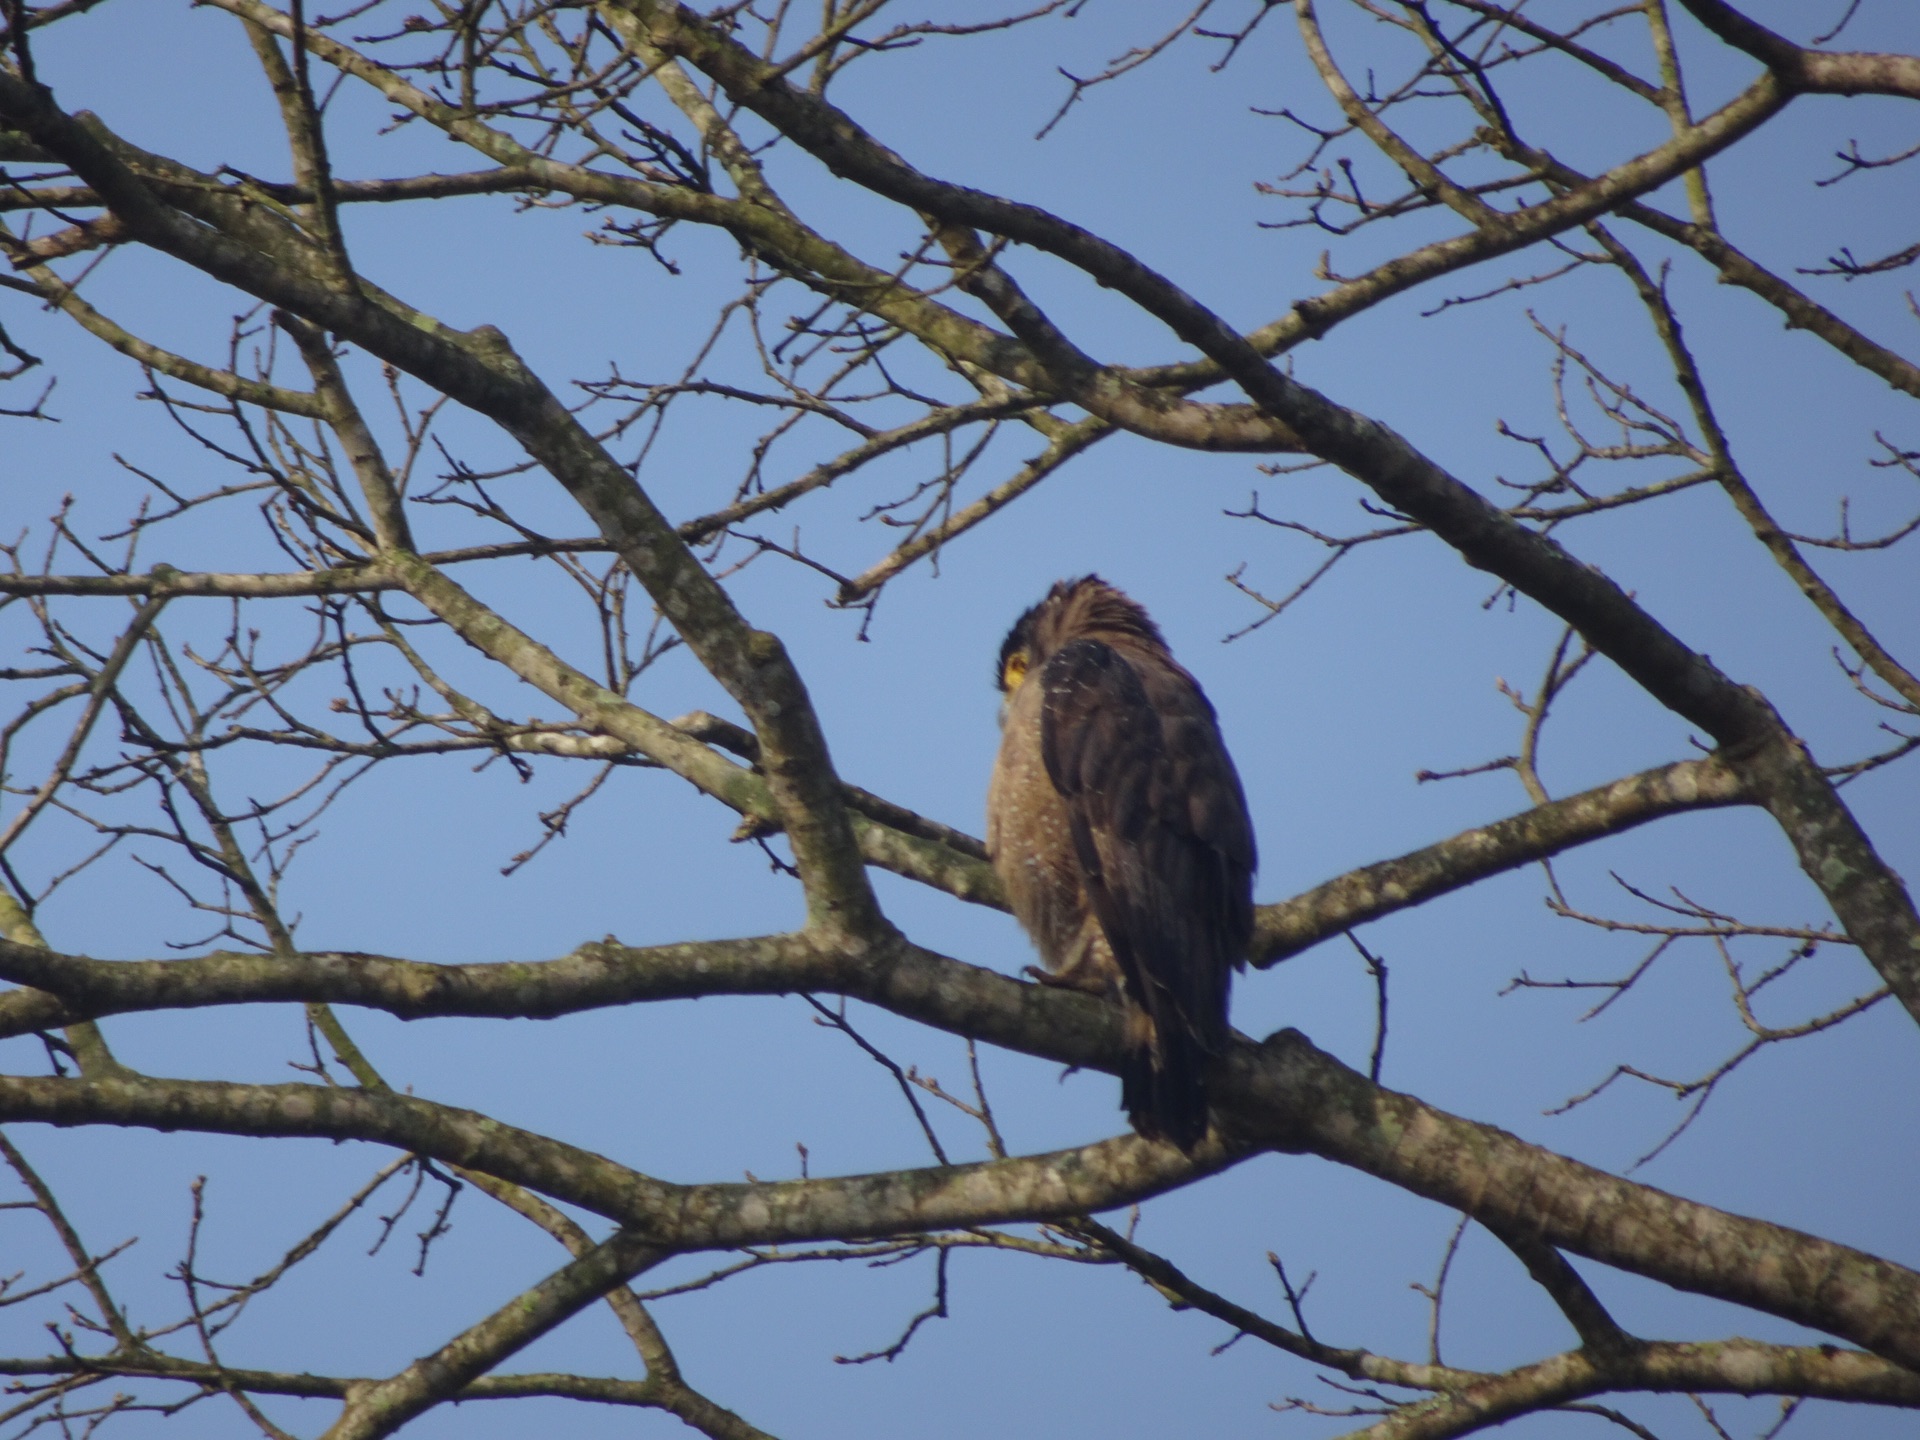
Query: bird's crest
[1072, 609]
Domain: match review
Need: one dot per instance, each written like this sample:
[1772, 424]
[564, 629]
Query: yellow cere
[1016, 670]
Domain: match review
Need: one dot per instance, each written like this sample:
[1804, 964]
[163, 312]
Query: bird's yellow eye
[1014, 671]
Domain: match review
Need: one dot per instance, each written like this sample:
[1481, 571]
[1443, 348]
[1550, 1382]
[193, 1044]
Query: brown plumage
[1116, 822]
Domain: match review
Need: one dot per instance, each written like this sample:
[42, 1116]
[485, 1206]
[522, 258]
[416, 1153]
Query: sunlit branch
[664, 1388]
[1736, 1366]
[679, 1217]
[1286, 1092]
[1814, 71]
[1366, 894]
[219, 382]
[650, 1393]
[383, 1407]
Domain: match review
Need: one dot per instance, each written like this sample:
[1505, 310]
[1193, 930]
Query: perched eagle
[1116, 821]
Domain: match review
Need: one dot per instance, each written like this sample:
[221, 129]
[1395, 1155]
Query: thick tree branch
[677, 1217]
[1737, 1366]
[703, 1415]
[599, 975]
[665, 1388]
[592, 977]
[1291, 926]
[1463, 1401]
[379, 1409]
[1820, 71]
[64, 298]
[1728, 1367]
[1283, 1094]
[164, 580]
[1515, 1188]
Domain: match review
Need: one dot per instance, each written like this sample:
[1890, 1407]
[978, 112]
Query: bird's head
[1071, 610]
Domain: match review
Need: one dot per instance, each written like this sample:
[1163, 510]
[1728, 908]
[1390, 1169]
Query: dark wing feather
[1161, 831]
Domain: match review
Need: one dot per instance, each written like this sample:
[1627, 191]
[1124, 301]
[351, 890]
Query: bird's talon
[1070, 980]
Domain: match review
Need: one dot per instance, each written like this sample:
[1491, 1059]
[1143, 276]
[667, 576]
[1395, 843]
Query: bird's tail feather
[1163, 1082]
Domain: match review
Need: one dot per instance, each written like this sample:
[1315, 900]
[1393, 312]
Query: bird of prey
[1116, 822]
